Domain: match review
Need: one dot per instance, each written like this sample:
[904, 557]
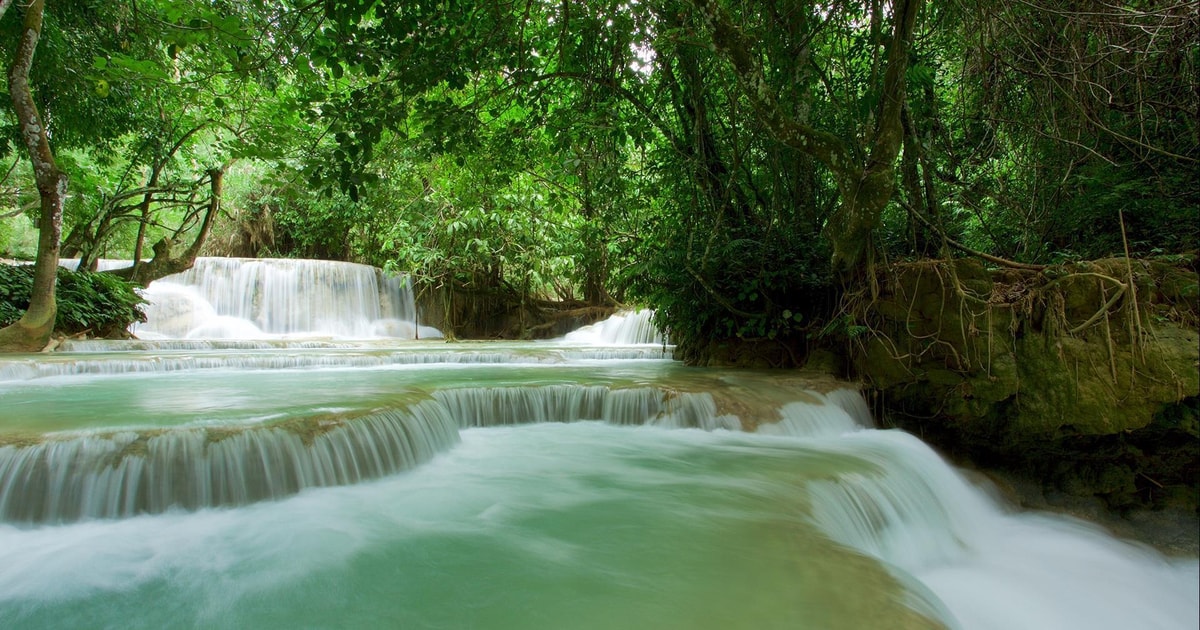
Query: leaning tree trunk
[166, 261]
[32, 331]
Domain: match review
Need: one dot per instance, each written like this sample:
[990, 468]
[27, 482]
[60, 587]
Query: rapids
[282, 483]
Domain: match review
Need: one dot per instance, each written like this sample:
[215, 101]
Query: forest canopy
[730, 163]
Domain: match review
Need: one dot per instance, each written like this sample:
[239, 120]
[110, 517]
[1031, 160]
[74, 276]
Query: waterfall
[494, 406]
[623, 328]
[625, 488]
[303, 356]
[242, 298]
[123, 473]
[970, 561]
[129, 472]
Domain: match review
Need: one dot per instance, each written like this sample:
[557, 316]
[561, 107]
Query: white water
[357, 489]
[509, 494]
[242, 298]
[992, 569]
[242, 304]
[128, 472]
[167, 360]
[622, 328]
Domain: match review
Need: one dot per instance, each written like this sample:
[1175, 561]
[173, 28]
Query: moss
[1031, 377]
[309, 428]
[1183, 416]
[139, 447]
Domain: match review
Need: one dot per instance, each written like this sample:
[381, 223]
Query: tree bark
[156, 170]
[33, 330]
[165, 262]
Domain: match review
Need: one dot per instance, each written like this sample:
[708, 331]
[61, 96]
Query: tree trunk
[33, 330]
[165, 262]
[144, 213]
[865, 189]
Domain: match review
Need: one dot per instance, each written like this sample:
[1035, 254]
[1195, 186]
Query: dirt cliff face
[1085, 375]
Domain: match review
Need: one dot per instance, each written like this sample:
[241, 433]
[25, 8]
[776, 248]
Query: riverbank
[1173, 531]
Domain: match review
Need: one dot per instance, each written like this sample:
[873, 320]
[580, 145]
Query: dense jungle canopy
[733, 164]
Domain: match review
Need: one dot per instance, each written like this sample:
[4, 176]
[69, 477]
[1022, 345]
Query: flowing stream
[282, 483]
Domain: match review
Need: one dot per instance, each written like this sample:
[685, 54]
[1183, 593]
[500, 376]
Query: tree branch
[729, 40]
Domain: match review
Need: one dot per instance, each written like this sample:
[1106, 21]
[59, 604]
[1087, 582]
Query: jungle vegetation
[735, 165]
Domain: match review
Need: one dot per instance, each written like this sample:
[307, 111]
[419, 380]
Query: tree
[33, 330]
[865, 180]
[210, 92]
[1071, 115]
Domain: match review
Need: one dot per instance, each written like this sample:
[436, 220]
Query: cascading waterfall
[485, 407]
[242, 298]
[128, 473]
[918, 515]
[194, 357]
[342, 484]
[120, 474]
[622, 328]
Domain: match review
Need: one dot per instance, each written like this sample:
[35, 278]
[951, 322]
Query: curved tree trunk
[166, 261]
[32, 331]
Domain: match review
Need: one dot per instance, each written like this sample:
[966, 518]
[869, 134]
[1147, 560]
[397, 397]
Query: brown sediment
[21, 440]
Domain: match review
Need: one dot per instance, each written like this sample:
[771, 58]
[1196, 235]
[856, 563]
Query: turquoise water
[555, 526]
[574, 493]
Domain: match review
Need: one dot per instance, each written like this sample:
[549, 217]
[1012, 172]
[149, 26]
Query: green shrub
[100, 304]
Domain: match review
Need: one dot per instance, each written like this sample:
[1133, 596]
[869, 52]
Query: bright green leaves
[132, 68]
[100, 304]
[920, 76]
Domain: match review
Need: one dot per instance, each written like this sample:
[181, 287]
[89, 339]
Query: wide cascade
[565, 484]
[242, 298]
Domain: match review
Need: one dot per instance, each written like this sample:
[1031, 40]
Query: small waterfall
[124, 473]
[970, 563]
[493, 406]
[55, 365]
[915, 513]
[623, 328]
[102, 264]
[243, 298]
[843, 412]
[653, 406]
[695, 410]
[127, 473]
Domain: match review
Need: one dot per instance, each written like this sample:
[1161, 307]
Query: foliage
[650, 152]
[1038, 162]
[99, 304]
[18, 238]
